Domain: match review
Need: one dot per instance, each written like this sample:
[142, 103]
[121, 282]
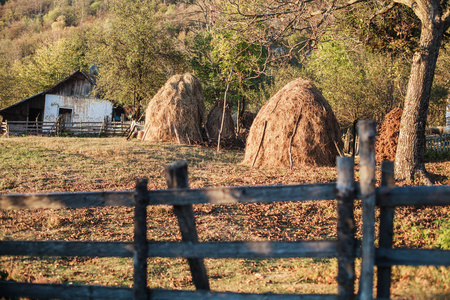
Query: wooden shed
[70, 99]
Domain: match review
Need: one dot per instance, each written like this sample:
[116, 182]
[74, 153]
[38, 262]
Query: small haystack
[295, 127]
[387, 139]
[247, 119]
[175, 114]
[215, 121]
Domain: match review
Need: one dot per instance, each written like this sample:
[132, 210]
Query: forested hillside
[359, 61]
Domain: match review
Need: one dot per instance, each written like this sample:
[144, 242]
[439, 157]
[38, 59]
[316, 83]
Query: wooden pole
[260, 143]
[367, 182]
[386, 231]
[177, 178]
[346, 228]
[140, 240]
[224, 108]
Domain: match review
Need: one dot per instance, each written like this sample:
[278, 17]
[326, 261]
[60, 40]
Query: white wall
[448, 112]
[83, 109]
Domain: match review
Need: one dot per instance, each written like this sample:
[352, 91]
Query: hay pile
[387, 139]
[214, 122]
[247, 119]
[295, 127]
[175, 114]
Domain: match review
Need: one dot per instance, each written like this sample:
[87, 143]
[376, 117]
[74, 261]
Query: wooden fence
[345, 248]
[438, 143]
[58, 127]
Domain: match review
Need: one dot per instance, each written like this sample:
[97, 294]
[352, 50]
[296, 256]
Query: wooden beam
[177, 177]
[251, 250]
[59, 291]
[367, 184]
[246, 194]
[386, 231]
[140, 240]
[66, 200]
[220, 195]
[346, 240]
[412, 257]
[67, 248]
[413, 196]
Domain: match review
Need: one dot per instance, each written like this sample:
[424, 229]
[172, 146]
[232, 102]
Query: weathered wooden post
[367, 182]
[140, 240]
[177, 178]
[386, 231]
[346, 228]
[7, 128]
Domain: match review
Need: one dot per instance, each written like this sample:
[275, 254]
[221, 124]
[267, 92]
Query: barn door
[65, 115]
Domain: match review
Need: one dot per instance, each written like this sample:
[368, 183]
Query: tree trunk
[409, 160]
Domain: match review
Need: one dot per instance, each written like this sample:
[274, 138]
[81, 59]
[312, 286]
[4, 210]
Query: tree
[134, 53]
[358, 84]
[279, 19]
[51, 63]
[435, 21]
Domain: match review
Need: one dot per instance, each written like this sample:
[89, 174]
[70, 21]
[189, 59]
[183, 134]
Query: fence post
[346, 228]
[367, 182]
[386, 231]
[177, 178]
[140, 240]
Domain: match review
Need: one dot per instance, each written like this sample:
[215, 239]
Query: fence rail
[438, 143]
[58, 127]
[345, 248]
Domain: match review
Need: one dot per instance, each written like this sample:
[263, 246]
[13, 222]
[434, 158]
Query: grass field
[43, 164]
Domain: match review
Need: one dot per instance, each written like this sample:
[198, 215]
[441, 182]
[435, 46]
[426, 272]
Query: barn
[71, 100]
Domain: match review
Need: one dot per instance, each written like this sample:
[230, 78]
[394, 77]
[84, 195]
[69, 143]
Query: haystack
[387, 139]
[175, 114]
[214, 122]
[295, 127]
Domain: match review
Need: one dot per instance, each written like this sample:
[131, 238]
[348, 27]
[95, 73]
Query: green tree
[282, 18]
[358, 84]
[135, 54]
[50, 64]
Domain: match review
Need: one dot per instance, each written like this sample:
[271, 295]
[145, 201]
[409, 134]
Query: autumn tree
[358, 84]
[279, 19]
[435, 21]
[135, 54]
[51, 63]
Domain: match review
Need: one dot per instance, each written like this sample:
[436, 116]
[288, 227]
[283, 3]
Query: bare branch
[446, 20]
[383, 10]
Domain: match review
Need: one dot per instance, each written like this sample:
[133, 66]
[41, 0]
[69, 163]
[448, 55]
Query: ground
[42, 164]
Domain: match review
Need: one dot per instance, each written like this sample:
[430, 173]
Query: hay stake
[292, 138]
[224, 107]
[176, 134]
[260, 143]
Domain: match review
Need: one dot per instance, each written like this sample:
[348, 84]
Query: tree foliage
[135, 55]
[51, 63]
[358, 84]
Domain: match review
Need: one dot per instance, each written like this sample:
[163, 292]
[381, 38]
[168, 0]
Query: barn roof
[75, 74]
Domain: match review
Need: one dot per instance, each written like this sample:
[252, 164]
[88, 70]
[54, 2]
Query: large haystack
[175, 114]
[387, 139]
[295, 127]
[214, 122]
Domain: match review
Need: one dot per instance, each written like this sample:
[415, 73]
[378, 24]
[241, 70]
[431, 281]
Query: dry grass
[36, 164]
